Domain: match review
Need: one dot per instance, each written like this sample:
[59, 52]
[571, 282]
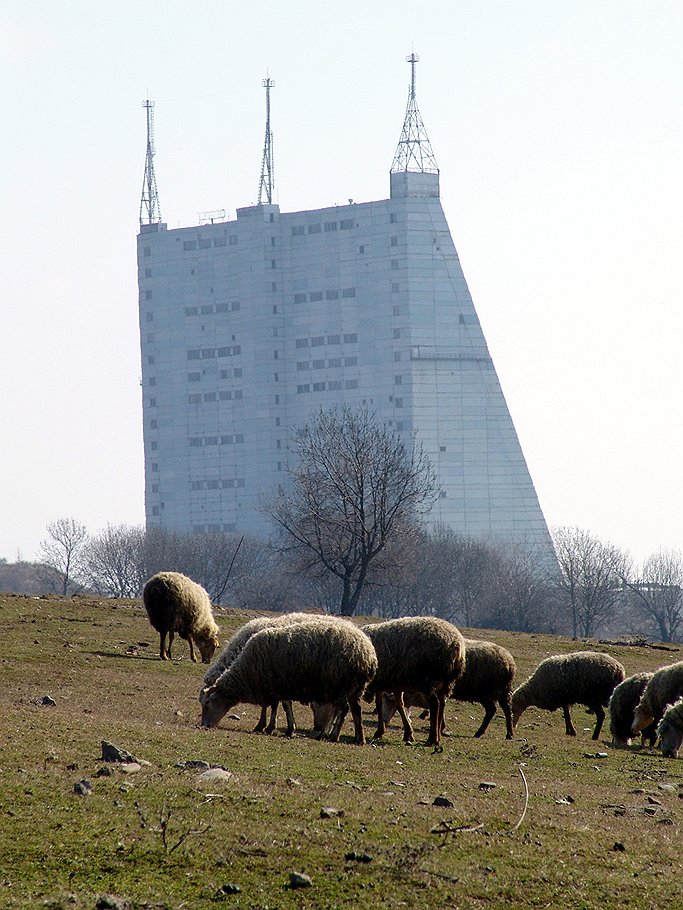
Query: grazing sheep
[416, 653]
[670, 729]
[327, 660]
[235, 645]
[175, 603]
[663, 689]
[622, 707]
[583, 677]
[487, 679]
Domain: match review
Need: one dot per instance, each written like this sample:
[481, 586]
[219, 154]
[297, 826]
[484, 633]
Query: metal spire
[150, 210]
[414, 150]
[267, 182]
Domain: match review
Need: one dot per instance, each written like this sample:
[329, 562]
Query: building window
[394, 241]
[349, 292]
[318, 364]
[398, 402]
[303, 365]
[303, 388]
[194, 354]
[397, 356]
[147, 251]
[330, 226]
[235, 305]
[194, 398]
[221, 308]
[394, 287]
[394, 264]
[190, 245]
[237, 372]
[191, 311]
[233, 239]
[315, 296]
[298, 230]
[334, 362]
[351, 384]
[299, 298]
[209, 396]
[334, 339]
[208, 308]
[204, 244]
[346, 223]
[318, 386]
[334, 386]
[301, 342]
[194, 377]
[398, 380]
[313, 228]
[350, 337]
[350, 361]
[392, 218]
[317, 340]
[331, 295]
[150, 317]
[148, 295]
[361, 248]
[397, 333]
[220, 241]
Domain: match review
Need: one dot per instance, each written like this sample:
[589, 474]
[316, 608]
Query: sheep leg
[261, 725]
[489, 713]
[193, 656]
[407, 726]
[600, 716]
[436, 712]
[289, 714]
[162, 645]
[339, 718]
[379, 732]
[569, 726]
[359, 736]
[507, 711]
[171, 636]
[270, 729]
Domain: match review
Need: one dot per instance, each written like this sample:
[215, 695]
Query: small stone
[229, 888]
[618, 847]
[331, 812]
[300, 880]
[110, 752]
[234, 717]
[669, 787]
[665, 821]
[83, 788]
[130, 767]
[104, 772]
[215, 774]
[293, 782]
[352, 856]
[653, 802]
[48, 701]
[112, 902]
[443, 801]
[193, 764]
[487, 785]
[73, 766]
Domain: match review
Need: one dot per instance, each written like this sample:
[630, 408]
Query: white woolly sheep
[622, 707]
[663, 689]
[176, 604]
[582, 677]
[235, 645]
[487, 679]
[416, 653]
[329, 660]
[670, 729]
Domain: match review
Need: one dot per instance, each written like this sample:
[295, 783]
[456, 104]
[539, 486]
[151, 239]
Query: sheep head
[207, 648]
[641, 719]
[214, 706]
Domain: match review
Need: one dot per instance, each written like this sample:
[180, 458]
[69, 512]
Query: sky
[558, 129]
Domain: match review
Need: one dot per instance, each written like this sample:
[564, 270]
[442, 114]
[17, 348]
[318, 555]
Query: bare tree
[658, 592]
[590, 578]
[355, 487]
[62, 550]
[112, 560]
[520, 596]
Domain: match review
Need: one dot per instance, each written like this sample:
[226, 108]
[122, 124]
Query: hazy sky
[558, 128]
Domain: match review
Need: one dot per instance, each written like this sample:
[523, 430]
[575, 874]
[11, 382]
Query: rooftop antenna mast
[267, 182]
[414, 150]
[150, 210]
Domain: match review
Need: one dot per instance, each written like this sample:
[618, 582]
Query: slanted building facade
[248, 326]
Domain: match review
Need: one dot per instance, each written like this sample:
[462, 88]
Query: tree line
[350, 536]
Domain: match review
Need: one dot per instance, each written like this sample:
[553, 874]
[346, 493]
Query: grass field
[602, 827]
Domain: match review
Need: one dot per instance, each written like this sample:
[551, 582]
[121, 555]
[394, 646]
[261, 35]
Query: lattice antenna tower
[414, 150]
[267, 182]
[150, 210]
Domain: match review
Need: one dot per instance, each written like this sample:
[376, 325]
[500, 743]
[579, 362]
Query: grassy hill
[602, 827]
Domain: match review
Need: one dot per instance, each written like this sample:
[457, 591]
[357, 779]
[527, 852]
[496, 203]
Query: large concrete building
[250, 325]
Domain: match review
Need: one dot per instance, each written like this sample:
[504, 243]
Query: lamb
[487, 679]
[235, 645]
[175, 603]
[327, 660]
[417, 653]
[622, 706]
[670, 729]
[582, 677]
[663, 689]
